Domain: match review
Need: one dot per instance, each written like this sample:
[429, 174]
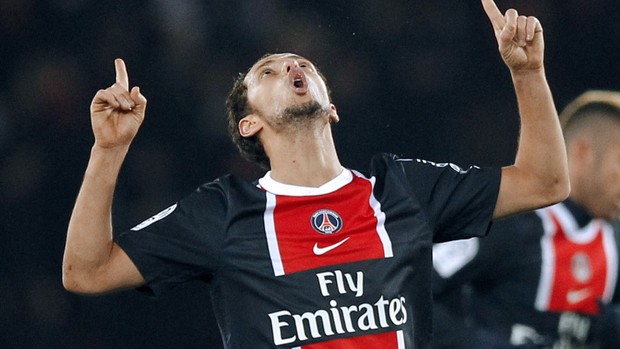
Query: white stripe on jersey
[609, 242]
[380, 215]
[400, 337]
[272, 240]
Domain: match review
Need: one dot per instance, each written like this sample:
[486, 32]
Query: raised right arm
[92, 262]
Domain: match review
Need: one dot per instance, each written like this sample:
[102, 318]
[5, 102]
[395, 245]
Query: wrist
[112, 152]
[105, 163]
[527, 73]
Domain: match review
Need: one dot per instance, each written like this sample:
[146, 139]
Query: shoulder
[411, 163]
[427, 173]
[227, 184]
[223, 191]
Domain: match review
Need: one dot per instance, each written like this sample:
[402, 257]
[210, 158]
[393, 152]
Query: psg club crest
[326, 221]
[581, 267]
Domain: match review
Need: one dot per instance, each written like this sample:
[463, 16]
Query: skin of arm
[539, 175]
[93, 263]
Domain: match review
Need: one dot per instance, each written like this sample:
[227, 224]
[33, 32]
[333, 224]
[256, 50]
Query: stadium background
[419, 78]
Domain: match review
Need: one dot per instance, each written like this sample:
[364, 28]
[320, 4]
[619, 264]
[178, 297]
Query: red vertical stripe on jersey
[302, 247]
[382, 340]
[568, 292]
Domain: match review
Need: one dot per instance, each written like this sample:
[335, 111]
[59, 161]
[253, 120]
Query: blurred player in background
[549, 278]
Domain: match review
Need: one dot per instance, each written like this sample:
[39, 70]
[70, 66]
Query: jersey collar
[269, 184]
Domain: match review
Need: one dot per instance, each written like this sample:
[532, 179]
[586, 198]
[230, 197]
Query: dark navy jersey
[347, 264]
[539, 277]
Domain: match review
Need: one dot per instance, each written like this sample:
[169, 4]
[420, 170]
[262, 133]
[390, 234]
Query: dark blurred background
[418, 78]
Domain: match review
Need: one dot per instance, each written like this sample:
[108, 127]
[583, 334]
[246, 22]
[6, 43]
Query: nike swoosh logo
[323, 250]
[576, 296]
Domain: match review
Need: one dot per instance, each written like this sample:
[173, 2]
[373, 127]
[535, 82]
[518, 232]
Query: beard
[307, 111]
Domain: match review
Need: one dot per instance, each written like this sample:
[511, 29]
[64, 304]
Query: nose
[290, 65]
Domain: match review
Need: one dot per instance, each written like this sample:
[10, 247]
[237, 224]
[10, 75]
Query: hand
[116, 112]
[520, 38]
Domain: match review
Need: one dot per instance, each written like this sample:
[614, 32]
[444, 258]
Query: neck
[306, 157]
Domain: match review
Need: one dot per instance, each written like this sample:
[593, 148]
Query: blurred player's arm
[92, 262]
[539, 175]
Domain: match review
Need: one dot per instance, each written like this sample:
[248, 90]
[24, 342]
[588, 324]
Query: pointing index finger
[496, 17]
[121, 73]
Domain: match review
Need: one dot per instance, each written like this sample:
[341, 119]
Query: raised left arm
[539, 175]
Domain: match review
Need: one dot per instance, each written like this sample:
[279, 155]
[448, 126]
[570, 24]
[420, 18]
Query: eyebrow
[269, 61]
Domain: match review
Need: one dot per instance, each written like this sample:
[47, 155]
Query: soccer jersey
[538, 277]
[344, 265]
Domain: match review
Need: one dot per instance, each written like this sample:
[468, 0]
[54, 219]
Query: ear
[333, 114]
[581, 151]
[583, 147]
[249, 125]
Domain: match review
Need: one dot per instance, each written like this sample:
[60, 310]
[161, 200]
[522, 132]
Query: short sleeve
[180, 243]
[459, 203]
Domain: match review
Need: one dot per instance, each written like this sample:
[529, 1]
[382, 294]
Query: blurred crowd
[418, 78]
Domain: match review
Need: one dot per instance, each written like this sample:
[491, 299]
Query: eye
[266, 72]
[306, 66]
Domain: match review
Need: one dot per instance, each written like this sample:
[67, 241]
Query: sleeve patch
[449, 257]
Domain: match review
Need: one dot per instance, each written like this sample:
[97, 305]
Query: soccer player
[313, 254]
[548, 278]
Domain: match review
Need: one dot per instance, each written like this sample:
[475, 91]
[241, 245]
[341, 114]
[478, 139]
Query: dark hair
[237, 107]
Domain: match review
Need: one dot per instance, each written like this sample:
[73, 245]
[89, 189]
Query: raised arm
[539, 175]
[92, 262]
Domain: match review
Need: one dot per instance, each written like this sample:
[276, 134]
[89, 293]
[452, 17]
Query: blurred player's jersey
[344, 265]
[539, 277]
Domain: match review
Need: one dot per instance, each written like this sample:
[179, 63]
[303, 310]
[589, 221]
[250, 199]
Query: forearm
[89, 237]
[539, 176]
[541, 149]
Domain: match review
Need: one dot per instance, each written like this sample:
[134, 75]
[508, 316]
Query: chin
[306, 110]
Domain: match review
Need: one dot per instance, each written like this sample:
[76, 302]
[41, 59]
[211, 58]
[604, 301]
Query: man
[312, 255]
[547, 278]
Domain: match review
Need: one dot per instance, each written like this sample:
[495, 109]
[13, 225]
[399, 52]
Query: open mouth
[298, 82]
